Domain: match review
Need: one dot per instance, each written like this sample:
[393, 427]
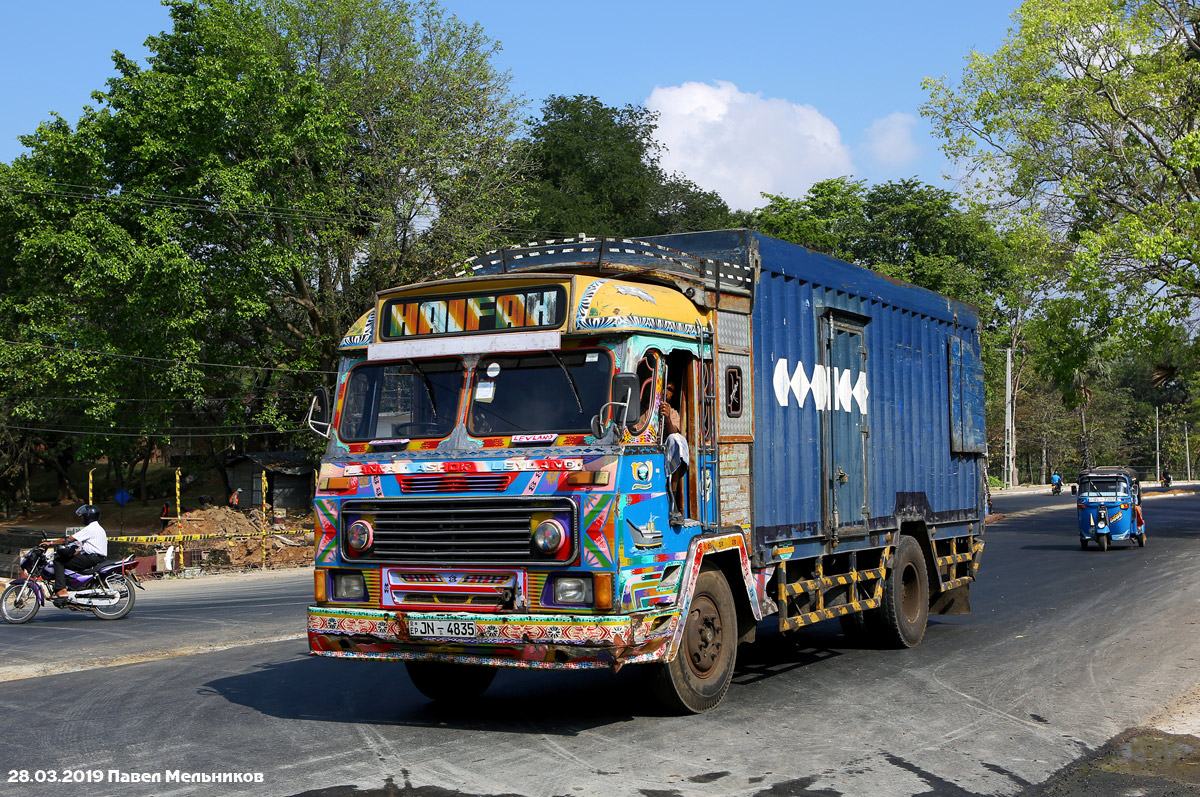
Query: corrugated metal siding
[909, 450]
[733, 343]
[786, 461]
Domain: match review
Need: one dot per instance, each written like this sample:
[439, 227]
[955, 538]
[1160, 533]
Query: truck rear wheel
[905, 609]
[698, 677]
[449, 683]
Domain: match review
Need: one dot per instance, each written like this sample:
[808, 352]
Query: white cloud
[741, 145]
[889, 141]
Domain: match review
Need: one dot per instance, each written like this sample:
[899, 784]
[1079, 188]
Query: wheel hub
[703, 636]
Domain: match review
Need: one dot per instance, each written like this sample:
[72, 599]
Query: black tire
[1102, 541]
[446, 682]
[17, 608]
[1082, 544]
[699, 676]
[1141, 540]
[905, 609]
[124, 602]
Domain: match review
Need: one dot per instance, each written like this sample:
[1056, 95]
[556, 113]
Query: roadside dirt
[244, 544]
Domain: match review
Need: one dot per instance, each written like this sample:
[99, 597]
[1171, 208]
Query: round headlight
[550, 537]
[359, 536]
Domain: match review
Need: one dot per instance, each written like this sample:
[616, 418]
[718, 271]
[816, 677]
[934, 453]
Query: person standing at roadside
[235, 498]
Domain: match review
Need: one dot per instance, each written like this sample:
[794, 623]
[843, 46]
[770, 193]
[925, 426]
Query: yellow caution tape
[190, 537]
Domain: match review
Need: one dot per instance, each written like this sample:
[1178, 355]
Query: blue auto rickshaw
[1110, 507]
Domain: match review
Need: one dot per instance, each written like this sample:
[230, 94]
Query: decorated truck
[595, 453]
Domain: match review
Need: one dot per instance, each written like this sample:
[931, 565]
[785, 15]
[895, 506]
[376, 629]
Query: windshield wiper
[571, 379]
[428, 385]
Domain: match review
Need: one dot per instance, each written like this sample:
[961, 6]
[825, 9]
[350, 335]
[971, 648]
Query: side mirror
[624, 392]
[320, 415]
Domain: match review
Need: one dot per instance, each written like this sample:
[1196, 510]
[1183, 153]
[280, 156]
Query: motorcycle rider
[93, 549]
[1056, 481]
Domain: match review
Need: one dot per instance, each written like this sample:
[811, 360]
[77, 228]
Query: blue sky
[769, 97]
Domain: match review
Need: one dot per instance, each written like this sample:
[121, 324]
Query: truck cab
[495, 490]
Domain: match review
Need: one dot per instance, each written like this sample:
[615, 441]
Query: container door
[845, 430]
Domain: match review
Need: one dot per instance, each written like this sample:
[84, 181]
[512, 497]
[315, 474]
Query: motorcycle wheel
[1102, 541]
[16, 607]
[124, 599]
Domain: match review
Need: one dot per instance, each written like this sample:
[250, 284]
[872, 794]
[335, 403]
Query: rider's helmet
[88, 514]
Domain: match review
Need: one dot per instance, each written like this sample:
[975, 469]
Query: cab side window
[647, 373]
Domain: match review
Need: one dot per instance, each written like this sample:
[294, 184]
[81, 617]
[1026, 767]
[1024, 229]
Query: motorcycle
[1166, 480]
[1056, 488]
[106, 589]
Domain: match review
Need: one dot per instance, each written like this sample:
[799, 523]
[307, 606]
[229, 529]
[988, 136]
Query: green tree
[831, 217]
[238, 202]
[903, 229]
[597, 170]
[1090, 111]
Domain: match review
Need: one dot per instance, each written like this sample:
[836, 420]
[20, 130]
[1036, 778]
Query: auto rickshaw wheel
[1141, 540]
[1102, 541]
[1082, 544]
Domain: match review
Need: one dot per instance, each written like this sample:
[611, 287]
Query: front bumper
[502, 640]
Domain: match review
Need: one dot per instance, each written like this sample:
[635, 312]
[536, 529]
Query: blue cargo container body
[868, 401]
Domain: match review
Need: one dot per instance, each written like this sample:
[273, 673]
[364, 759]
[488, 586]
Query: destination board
[542, 307]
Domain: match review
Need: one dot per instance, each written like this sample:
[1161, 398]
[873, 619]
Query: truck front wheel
[905, 609]
[449, 683]
[700, 674]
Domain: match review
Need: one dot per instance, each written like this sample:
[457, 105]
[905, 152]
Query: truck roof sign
[496, 310]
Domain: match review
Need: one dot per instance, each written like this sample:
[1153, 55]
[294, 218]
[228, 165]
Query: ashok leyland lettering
[600, 452]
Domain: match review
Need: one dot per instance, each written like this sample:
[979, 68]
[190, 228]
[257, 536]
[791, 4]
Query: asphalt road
[169, 618]
[1066, 651]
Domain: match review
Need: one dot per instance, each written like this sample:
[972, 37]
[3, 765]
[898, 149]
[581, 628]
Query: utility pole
[1187, 451]
[1157, 452]
[1009, 433]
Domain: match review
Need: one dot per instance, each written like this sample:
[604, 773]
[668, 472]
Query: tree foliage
[1089, 111]
[904, 229]
[237, 202]
[596, 169]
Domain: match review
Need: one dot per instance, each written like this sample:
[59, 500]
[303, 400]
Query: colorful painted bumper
[524, 640]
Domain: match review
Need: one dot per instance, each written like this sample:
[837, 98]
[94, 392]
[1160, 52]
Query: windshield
[401, 400]
[1103, 486]
[550, 392]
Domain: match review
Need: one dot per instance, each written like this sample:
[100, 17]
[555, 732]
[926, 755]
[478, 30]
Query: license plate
[441, 628]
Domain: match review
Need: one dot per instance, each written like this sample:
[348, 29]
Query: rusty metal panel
[735, 483]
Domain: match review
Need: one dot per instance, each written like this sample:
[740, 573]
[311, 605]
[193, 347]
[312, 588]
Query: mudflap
[952, 601]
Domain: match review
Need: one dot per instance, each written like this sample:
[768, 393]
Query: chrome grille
[462, 531]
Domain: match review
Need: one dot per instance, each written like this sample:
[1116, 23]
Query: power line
[152, 434]
[78, 191]
[283, 395]
[164, 359]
